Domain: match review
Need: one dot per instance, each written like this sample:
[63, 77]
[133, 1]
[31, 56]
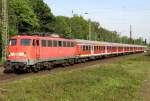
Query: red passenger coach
[33, 53]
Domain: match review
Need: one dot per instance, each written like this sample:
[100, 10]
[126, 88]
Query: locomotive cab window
[25, 42]
[13, 42]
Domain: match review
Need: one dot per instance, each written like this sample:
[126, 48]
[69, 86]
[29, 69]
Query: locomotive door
[37, 48]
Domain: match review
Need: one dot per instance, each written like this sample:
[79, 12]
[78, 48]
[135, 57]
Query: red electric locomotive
[33, 53]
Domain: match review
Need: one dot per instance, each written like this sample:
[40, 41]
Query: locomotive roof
[40, 37]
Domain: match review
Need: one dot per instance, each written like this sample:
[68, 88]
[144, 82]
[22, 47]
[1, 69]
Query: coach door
[37, 47]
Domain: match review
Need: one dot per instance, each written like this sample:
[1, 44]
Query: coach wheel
[72, 62]
[66, 64]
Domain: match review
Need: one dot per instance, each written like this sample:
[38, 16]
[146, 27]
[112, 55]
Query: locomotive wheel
[8, 70]
[18, 70]
[34, 69]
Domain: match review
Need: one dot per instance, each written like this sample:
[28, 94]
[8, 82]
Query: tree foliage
[23, 15]
[35, 15]
[43, 14]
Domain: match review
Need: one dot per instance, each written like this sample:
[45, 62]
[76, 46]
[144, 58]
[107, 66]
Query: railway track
[4, 78]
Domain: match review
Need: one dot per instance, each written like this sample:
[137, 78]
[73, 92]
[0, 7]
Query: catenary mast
[4, 28]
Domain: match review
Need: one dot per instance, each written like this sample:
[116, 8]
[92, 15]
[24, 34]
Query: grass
[116, 81]
[1, 71]
[1, 68]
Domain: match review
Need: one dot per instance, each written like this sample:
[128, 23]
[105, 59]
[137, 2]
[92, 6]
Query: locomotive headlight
[11, 54]
[22, 54]
[18, 54]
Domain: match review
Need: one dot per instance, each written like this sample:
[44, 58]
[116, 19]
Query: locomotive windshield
[25, 42]
[13, 42]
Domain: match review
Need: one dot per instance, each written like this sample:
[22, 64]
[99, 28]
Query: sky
[111, 14]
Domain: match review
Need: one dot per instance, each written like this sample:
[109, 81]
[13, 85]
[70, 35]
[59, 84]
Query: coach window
[44, 43]
[72, 44]
[84, 48]
[25, 42]
[50, 43]
[109, 47]
[55, 43]
[99, 48]
[103, 47]
[80, 48]
[89, 47]
[94, 47]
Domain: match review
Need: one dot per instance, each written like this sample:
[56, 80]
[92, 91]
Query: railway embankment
[117, 79]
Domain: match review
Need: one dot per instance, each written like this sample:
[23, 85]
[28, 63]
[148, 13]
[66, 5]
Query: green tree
[62, 25]
[79, 27]
[23, 16]
[44, 15]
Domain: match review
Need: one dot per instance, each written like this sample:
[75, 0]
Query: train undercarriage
[21, 67]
